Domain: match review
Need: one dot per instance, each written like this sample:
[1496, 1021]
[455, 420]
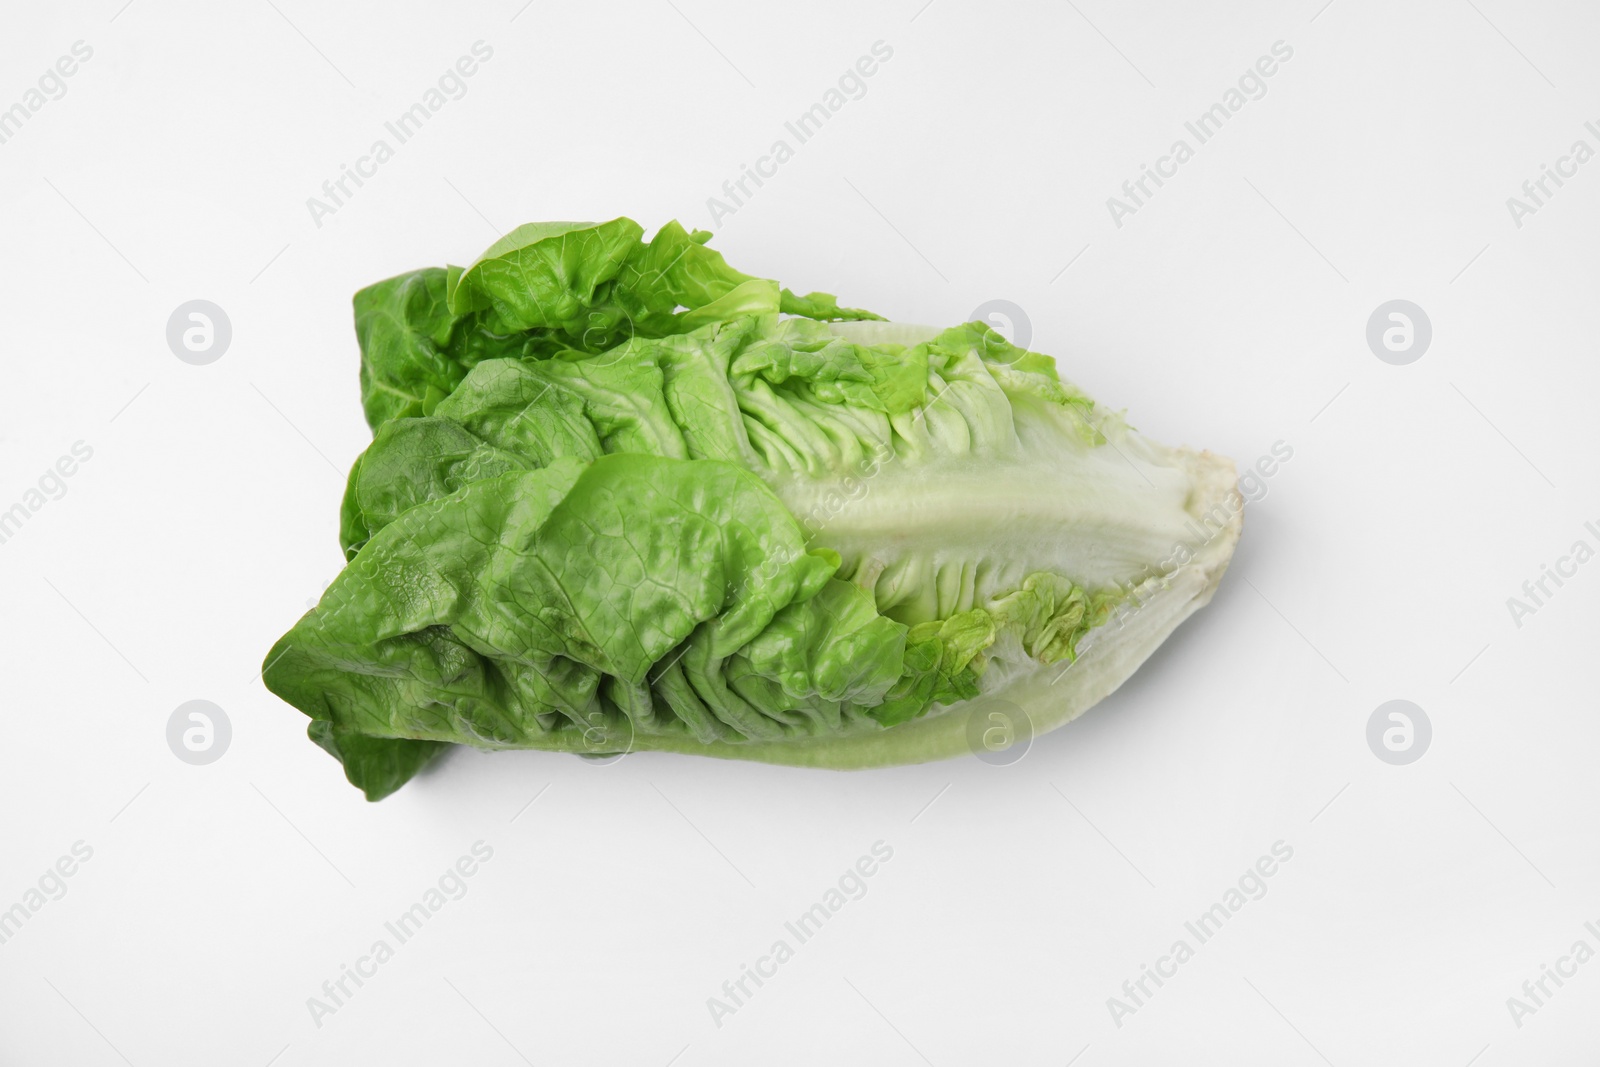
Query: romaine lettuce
[623, 497]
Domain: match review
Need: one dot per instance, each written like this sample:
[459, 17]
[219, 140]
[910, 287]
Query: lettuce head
[623, 497]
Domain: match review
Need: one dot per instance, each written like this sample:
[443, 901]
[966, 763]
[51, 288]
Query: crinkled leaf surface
[623, 497]
[543, 288]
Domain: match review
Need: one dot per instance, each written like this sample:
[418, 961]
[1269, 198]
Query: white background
[1229, 313]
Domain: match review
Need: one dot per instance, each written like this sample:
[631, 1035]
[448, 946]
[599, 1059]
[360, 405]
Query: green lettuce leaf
[545, 288]
[732, 529]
